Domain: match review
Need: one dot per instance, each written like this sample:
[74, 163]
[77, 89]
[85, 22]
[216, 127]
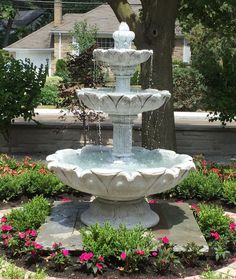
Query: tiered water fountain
[121, 177]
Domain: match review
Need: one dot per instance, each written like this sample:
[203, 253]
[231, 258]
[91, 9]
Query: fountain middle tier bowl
[123, 103]
[94, 170]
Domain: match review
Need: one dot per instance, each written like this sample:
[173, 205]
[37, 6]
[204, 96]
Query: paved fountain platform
[176, 222]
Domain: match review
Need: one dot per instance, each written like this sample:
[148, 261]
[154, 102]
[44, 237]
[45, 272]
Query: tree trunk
[154, 29]
[158, 128]
[7, 32]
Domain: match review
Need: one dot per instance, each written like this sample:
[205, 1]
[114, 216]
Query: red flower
[123, 256]
[6, 228]
[152, 201]
[42, 171]
[99, 266]
[195, 208]
[86, 256]
[3, 219]
[165, 240]
[4, 236]
[154, 254]
[140, 252]
[65, 199]
[65, 252]
[22, 235]
[215, 235]
[38, 246]
[28, 232]
[215, 170]
[232, 227]
[33, 233]
[53, 254]
[101, 258]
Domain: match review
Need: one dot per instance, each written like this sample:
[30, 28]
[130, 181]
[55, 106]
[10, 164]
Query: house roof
[102, 16]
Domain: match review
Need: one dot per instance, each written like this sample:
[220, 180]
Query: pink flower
[215, 235]
[195, 208]
[65, 252]
[101, 258]
[179, 201]
[28, 232]
[154, 254]
[38, 246]
[54, 245]
[4, 236]
[28, 243]
[140, 252]
[123, 256]
[3, 219]
[66, 199]
[21, 235]
[165, 240]
[6, 228]
[99, 266]
[233, 260]
[53, 254]
[232, 227]
[33, 233]
[86, 256]
[152, 201]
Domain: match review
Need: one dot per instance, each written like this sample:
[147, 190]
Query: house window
[105, 43]
[186, 52]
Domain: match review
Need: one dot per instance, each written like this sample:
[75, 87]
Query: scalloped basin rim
[54, 163]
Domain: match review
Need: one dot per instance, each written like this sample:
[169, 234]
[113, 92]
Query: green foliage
[49, 93]
[40, 274]
[211, 218]
[213, 275]
[188, 88]
[229, 191]
[106, 241]
[199, 185]
[12, 272]
[135, 79]
[191, 254]
[84, 35]
[31, 215]
[210, 27]
[20, 88]
[10, 187]
[166, 258]
[62, 70]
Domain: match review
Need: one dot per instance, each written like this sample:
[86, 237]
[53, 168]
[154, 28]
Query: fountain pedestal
[131, 213]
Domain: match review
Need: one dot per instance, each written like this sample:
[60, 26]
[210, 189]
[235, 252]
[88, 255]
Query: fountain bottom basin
[128, 213]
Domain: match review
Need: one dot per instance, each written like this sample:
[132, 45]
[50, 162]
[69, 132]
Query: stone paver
[176, 222]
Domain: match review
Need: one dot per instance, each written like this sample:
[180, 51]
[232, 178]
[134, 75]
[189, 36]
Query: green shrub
[188, 88]
[199, 185]
[10, 187]
[229, 191]
[20, 88]
[135, 79]
[46, 184]
[107, 241]
[30, 216]
[211, 218]
[62, 70]
[49, 93]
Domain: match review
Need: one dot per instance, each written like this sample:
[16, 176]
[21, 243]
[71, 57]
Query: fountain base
[128, 213]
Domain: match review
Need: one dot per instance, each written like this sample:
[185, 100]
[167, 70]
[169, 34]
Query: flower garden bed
[116, 253]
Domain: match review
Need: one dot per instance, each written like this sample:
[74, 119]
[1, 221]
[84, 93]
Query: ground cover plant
[211, 181]
[120, 251]
[26, 177]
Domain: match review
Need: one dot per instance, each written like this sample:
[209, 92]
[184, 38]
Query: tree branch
[124, 12]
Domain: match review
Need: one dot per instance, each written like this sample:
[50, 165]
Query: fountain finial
[123, 37]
